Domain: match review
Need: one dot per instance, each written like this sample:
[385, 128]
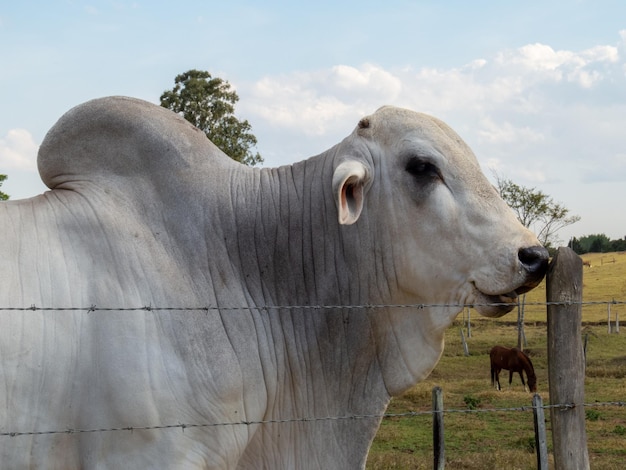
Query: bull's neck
[290, 240]
[293, 243]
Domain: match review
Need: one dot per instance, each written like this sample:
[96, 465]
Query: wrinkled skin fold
[144, 211]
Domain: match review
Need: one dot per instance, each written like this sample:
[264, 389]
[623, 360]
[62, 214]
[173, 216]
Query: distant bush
[471, 402]
[620, 430]
[592, 415]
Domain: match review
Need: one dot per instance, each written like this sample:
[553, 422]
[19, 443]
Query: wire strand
[148, 308]
[407, 414]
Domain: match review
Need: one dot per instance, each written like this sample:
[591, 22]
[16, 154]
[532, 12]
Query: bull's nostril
[535, 259]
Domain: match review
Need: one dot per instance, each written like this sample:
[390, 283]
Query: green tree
[597, 246]
[597, 243]
[536, 211]
[575, 245]
[619, 244]
[209, 104]
[3, 196]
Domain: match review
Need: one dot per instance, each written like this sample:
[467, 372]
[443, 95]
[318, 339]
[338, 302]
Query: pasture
[505, 439]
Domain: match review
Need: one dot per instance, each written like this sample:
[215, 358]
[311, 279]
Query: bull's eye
[419, 167]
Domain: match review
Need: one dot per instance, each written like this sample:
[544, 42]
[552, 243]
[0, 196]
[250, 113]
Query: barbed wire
[207, 308]
[407, 414]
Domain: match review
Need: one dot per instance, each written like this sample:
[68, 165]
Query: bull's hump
[120, 137]
[390, 123]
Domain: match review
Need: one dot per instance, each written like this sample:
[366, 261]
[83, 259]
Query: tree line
[597, 243]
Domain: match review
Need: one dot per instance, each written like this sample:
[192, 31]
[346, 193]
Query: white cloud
[18, 151]
[601, 54]
[544, 63]
[476, 64]
[314, 103]
[538, 57]
[368, 78]
[585, 78]
[505, 132]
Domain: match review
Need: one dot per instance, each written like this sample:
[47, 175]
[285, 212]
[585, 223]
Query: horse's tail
[493, 371]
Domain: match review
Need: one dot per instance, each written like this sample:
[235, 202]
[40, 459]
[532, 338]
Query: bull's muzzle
[534, 261]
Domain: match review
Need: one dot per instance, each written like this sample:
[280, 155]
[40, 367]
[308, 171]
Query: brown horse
[513, 360]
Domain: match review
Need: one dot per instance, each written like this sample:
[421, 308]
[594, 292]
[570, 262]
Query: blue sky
[537, 89]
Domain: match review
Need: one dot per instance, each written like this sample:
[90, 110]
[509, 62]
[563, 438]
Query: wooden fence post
[566, 369]
[541, 444]
[438, 439]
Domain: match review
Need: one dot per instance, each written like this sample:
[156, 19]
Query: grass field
[505, 439]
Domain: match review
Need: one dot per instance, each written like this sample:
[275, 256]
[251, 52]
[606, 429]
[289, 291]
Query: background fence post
[465, 347]
[541, 444]
[585, 349]
[565, 360]
[521, 335]
[438, 439]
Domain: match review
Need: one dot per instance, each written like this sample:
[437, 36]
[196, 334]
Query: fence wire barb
[407, 414]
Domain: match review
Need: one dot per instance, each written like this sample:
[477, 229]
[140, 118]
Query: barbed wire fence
[407, 414]
[94, 309]
[207, 308]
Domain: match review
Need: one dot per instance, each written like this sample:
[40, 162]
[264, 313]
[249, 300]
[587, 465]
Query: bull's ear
[349, 182]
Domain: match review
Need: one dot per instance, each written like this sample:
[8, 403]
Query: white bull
[145, 211]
